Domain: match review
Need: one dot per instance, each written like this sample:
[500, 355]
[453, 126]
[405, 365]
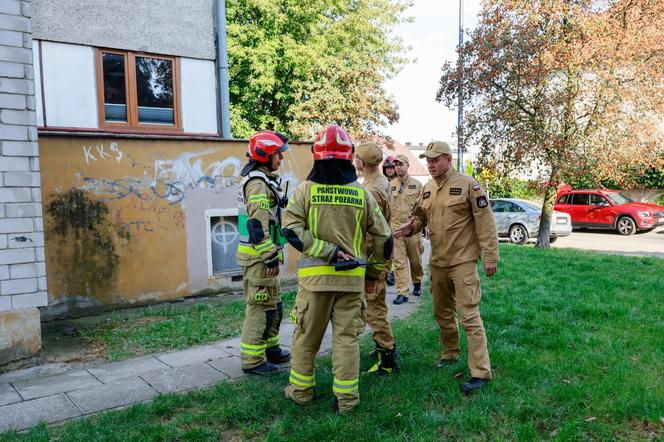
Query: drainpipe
[223, 106]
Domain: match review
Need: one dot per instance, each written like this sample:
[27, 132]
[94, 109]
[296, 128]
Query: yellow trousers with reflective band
[262, 315]
[457, 289]
[408, 262]
[311, 315]
[376, 315]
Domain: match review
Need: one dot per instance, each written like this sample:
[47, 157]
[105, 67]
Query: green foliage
[625, 178]
[296, 66]
[577, 356]
[660, 200]
[498, 185]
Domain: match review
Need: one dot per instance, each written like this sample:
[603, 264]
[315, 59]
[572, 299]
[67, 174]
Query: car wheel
[626, 225]
[518, 234]
[552, 239]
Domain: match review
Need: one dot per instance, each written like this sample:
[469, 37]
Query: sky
[433, 36]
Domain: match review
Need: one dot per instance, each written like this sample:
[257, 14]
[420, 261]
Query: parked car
[608, 209]
[519, 220]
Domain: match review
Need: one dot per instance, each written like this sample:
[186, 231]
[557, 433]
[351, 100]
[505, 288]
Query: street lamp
[460, 93]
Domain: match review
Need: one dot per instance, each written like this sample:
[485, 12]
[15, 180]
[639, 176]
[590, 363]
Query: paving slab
[62, 383]
[112, 395]
[231, 346]
[8, 395]
[231, 367]
[184, 378]
[127, 369]
[192, 356]
[27, 414]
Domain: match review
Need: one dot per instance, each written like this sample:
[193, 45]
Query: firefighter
[327, 220]
[461, 230]
[260, 201]
[406, 190]
[367, 161]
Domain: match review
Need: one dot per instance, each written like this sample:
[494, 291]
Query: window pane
[154, 88]
[580, 199]
[115, 94]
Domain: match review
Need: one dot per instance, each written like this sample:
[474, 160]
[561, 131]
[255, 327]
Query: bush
[505, 187]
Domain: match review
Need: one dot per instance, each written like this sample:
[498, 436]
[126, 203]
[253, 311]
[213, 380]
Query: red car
[608, 209]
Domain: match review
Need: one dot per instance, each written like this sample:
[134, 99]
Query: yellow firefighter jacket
[461, 224]
[320, 219]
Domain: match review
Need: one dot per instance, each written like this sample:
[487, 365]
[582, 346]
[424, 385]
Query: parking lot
[641, 244]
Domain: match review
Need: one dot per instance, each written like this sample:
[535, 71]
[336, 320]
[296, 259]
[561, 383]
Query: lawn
[577, 348]
[166, 327]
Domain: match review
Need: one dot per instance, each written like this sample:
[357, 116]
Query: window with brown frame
[137, 91]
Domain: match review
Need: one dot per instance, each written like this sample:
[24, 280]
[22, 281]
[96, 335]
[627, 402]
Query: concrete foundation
[20, 334]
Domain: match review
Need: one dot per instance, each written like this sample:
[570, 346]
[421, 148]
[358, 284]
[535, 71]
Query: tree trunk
[543, 236]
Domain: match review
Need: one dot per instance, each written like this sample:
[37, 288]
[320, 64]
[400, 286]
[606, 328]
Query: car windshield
[619, 198]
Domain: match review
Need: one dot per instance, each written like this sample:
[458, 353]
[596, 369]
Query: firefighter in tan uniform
[406, 190]
[461, 230]
[390, 174]
[327, 220]
[259, 253]
[367, 162]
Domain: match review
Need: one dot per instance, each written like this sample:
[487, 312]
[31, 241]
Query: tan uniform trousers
[408, 262]
[262, 315]
[312, 312]
[457, 289]
[376, 315]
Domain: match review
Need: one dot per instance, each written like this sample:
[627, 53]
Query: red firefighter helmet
[333, 143]
[266, 142]
[389, 161]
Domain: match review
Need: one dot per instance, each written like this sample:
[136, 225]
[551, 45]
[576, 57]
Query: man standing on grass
[367, 162]
[406, 190]
[260, 253]
[461, 230]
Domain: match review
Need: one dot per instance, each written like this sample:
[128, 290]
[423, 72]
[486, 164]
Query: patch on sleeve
[412, 186]
[482, 202]
[455, 190]
[476, 187]
[426, 195]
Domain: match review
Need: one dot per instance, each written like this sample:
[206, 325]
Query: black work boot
[390, 279]
[263, 369]
[473, 385]
[276, 355]
[387, 362]
[417, 289]
[400, 300]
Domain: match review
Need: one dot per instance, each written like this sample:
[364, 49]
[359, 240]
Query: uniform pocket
[261, 291]
[297, 315]
[471, 291]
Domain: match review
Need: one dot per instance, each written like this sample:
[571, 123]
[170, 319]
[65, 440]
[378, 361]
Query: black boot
[276, 355]
[473, 385]
[263, 369]
[390, 279]
[417, 289]
[400, 300]
[387, 362]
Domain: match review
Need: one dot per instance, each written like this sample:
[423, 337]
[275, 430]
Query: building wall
[22, 268]
[172, 27]
[154, 244]
[70, 94]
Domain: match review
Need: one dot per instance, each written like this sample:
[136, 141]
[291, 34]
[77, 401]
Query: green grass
[162, 328]
[577, 348]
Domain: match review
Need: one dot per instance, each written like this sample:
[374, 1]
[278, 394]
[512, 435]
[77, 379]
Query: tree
[563, 85]
[297, 66]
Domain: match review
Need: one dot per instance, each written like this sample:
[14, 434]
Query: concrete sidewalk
[57, 393]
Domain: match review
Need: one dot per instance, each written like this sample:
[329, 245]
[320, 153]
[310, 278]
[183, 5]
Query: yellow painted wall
[157, 191]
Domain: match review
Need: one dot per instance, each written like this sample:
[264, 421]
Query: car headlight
[644, 214]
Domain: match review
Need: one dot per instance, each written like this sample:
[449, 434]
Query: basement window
[223, 238]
